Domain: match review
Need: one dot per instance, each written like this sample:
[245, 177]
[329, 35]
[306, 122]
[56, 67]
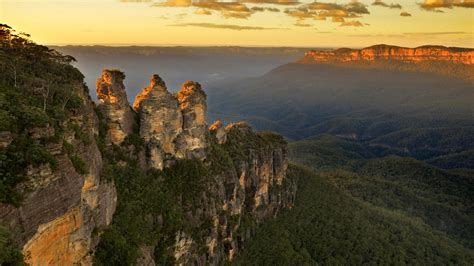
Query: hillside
[330, 226]
[440, 198]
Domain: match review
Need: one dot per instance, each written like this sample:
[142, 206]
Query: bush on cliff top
[37, 89]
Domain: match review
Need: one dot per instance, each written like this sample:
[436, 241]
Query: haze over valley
[278, 132]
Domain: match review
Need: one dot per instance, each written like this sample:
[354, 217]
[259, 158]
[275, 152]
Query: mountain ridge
[391, 52]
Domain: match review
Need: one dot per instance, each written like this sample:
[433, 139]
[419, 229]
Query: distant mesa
[384, 52]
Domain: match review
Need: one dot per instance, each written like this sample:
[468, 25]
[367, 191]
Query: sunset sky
[246, 22]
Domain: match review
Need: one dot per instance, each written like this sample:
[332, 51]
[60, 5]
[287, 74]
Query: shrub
[78, 164]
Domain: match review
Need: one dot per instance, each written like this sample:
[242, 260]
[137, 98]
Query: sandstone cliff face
[242, 181]
[161, 121]
[62, 207]
[173, 127]
[114, 105]
[192, 102]
[240, 178]
[253, 188]
[387, 52]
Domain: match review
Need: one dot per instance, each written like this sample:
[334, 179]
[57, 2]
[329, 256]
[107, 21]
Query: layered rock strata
[61, 207]
[173, 127]
[388, 52]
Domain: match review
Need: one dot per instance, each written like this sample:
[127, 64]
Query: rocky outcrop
[192, 102]
[252, 189]
[173, 127]
[161, 122]
[66, 209]
[395, 53]
[217, 128]
[114, 105]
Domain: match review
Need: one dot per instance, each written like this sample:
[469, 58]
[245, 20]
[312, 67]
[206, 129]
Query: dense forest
[330, 226]
[354, 206]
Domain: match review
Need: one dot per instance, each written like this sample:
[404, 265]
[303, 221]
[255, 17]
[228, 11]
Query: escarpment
[389, 52]
[446, 61]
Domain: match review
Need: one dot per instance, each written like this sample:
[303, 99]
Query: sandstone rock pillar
[161, 121]
[114, 105]
[192, 102]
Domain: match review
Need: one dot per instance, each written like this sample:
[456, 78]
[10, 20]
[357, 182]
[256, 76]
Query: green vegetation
[329, 226]
[154, 205]
[442, 199]
[38, 89]
[10, 253]
[78, 164]
[355, 207]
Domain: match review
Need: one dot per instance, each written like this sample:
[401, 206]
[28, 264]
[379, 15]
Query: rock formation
[114, 105]
[161, 121]
[217, 128]
[251, 189]
[192, 102]
[388, 52]
[172, 127]
[66, 209]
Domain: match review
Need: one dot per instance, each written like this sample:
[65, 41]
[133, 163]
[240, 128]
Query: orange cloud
[226, 9]
[434, 5]
[275, 2]
[222, 26]
[202, 11]
[405, 14]
[321, 11]
[354, 23]
[383, 4]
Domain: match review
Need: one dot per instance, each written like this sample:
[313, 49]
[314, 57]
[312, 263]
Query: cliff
[440, 60]
[395, 53]
[219, 181]
[63, 201]
[82, 182]
[114, 105]
[173, 127]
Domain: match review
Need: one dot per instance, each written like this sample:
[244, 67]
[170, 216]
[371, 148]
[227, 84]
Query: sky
[303, 23]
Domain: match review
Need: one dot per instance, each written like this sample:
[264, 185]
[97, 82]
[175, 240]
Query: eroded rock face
[114, 105]
[388, 52]
[192, 102]
[173, 127]
[61, 207]
[240, 197]
[161, 121]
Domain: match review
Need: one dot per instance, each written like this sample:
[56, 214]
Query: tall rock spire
[161, 121]
[192, 102]
[114, 105]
